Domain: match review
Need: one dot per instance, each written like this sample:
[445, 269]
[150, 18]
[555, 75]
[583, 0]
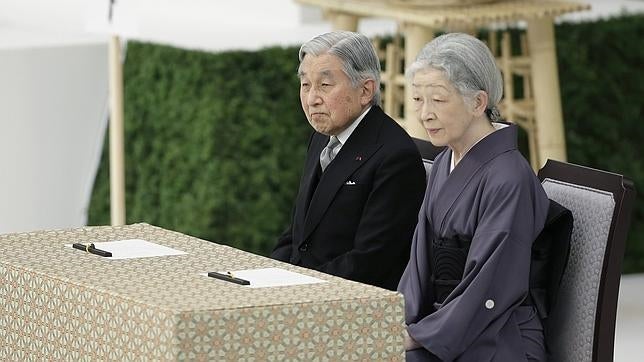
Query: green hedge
[602, 90]
[215, 142]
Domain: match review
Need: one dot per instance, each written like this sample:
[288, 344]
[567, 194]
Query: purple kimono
[493, 198]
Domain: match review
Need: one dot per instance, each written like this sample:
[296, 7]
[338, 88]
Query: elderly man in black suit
[363, 180]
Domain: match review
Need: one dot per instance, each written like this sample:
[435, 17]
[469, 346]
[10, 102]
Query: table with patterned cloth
[63, 304]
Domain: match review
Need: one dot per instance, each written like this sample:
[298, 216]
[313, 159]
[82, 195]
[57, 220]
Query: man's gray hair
[355, 51]
[468, 64]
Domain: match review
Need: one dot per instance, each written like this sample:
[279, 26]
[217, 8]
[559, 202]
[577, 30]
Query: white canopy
[195, 24]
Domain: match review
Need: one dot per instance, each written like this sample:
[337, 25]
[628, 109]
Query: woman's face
[441, 109]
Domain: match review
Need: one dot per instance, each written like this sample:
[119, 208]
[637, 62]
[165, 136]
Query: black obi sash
[448, 264]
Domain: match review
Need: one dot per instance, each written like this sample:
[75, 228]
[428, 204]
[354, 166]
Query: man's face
[329, 100]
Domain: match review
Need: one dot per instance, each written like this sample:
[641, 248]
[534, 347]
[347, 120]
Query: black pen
[91, 249]
[229, 278]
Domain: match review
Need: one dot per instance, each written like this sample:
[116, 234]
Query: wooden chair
[582, 323]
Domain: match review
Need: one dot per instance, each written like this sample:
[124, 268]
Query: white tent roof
[198, 24]
[201, 24]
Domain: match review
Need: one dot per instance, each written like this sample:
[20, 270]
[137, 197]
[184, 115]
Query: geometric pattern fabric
[58, 303]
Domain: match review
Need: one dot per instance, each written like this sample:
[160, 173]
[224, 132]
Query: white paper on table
[134, 248]
[271, 277]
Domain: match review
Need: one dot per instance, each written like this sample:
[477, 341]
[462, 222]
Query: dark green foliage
[602, 91]
[215, 143]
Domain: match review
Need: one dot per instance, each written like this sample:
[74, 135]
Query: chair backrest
[428, 167]
[583, 319]
[428, 152]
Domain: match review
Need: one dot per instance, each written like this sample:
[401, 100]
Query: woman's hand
[410, 343]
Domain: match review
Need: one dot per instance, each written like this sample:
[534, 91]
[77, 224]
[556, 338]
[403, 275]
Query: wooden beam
[416, 36]
[551, 142]
[117, 158]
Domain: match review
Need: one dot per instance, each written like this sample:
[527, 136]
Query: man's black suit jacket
[356, 220]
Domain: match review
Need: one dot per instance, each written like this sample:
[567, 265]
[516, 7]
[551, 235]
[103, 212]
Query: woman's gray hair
[359, 59]
[468, 64]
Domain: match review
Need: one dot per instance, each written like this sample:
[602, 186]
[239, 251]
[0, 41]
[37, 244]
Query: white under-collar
[344, 135]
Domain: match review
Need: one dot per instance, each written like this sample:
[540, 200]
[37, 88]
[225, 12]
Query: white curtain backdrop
[52, 124]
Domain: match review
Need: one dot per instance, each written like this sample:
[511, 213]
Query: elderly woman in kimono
[468, 273]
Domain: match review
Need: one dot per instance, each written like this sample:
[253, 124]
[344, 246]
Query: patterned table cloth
[63, 304]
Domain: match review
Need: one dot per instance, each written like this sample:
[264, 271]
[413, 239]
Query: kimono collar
[503, 139]
[452, 184]
[497, 126]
